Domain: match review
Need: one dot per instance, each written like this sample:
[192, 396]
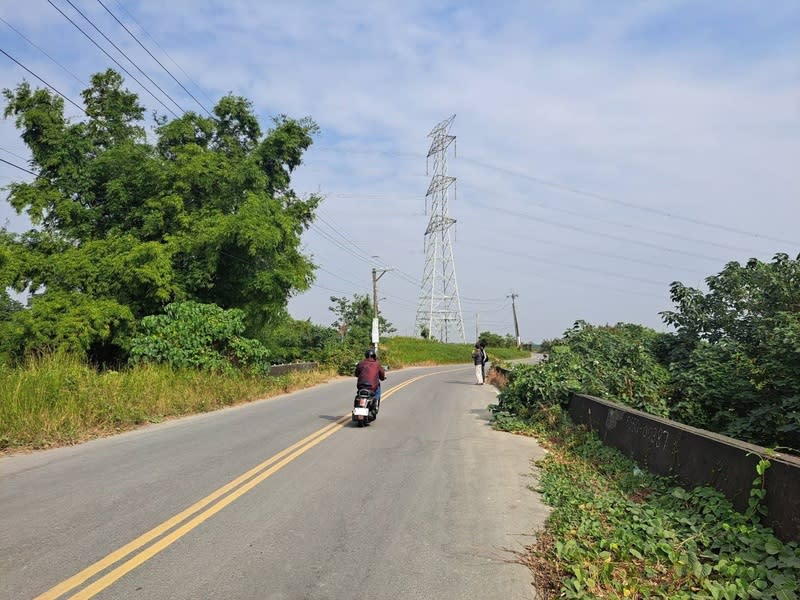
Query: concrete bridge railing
[697, 457]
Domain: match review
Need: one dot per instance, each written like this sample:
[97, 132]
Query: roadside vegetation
[731, 366]
[60, 399]
[619, 532]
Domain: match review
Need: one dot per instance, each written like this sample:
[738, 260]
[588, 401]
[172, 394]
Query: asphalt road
[282, 499]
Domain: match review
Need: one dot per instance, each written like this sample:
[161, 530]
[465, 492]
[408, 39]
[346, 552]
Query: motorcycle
[365, 407]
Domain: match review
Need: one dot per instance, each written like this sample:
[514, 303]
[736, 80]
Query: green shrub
[531, 387]
[193, 335]
[615, 363]
[342, 357]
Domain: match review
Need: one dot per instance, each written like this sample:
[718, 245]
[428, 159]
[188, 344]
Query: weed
[619, 532]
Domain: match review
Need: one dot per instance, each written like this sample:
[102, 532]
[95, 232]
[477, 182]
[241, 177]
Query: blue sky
[690, 109]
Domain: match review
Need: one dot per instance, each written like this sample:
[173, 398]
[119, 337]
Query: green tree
[735, 355]
[354, 326]
[354, 319]
[294, 340]
[495, 340]
[123, 227]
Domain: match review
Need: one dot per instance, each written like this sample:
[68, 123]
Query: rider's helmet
[370, 353]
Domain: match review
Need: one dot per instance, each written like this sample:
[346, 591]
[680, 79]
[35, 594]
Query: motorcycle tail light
[363, 402]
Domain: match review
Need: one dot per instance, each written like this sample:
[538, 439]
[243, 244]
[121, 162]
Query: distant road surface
[282, 499]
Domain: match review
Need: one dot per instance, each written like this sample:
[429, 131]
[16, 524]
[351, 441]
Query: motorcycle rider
[370, 373]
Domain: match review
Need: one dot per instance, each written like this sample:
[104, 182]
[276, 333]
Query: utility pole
[375, 320]
[476, 328]
[514, 311]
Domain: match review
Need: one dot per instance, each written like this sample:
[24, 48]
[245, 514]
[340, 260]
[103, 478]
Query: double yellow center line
[202, 511]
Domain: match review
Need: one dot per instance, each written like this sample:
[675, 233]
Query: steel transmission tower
[439, 309]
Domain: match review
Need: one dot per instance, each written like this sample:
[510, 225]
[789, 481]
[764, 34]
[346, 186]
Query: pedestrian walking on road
[484, 359]
[477, 359]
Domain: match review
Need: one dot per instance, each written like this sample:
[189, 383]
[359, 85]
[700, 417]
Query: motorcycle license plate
[361, 412]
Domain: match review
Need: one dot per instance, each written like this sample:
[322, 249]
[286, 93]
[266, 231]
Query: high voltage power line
[636, 227]
[154, 58]
[573, 190]
[350, 281]
[13, 154]
[344, 244]
[351, 248]
[79, 80]
[103, 50]
[127, 12]
[550, 261]
[336, 231]
[346, 249]
[583, 284]
[8, 162]
[620, 238]
[599, 233]
[327, 289]
[357, 252]
[24, 37]
[128, 58]
[632, 205]
[559, 243]
[632, 259]
[483, 301]
[67, 98]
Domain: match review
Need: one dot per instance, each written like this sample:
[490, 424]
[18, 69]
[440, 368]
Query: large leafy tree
[735, 356]
[124, 226]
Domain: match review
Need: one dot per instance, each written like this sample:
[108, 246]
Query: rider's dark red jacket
[370, 373]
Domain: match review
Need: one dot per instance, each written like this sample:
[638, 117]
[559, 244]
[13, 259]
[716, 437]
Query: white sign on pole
[375, 334]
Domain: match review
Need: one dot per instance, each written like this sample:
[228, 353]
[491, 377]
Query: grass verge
[59, 400]
[618, 532]
[407, 351]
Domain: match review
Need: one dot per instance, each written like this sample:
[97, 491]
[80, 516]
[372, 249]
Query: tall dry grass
[59, 400]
